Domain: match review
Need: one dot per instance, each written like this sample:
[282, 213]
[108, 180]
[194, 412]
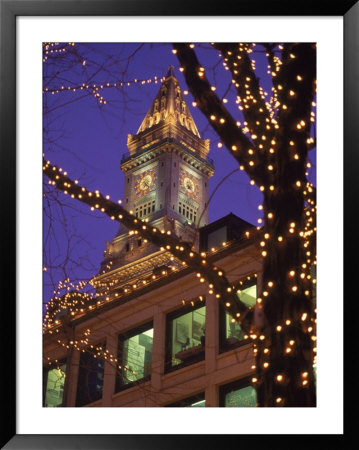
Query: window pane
[245, 397]
[54, 386]
[233, 332]
[90, 381]
[135, 357]
[201, 403]
[187, 336]
[249, 295]
[217, 237]
[196, 401]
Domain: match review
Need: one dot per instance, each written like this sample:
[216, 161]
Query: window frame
[224, 345]
[45, 372]
[233, 386]
[120, 341]
[168, 345]
[99, 344]
[192, 399]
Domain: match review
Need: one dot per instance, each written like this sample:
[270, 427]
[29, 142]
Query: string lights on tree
[165, 241]
[274, 153]
[271, 145]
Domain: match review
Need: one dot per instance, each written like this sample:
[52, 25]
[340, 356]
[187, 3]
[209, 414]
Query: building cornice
[167, 145]
[224, 252]
[136, 267]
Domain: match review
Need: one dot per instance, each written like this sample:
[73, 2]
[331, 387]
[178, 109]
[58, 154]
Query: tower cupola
[168, 116]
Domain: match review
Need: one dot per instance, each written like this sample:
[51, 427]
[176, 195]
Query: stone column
[109, 379]
[72, 373]
[211, 396]
[158, 350]
[212, 347]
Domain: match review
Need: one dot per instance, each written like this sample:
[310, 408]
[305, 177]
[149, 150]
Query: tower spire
[169, 106]
[171, 72]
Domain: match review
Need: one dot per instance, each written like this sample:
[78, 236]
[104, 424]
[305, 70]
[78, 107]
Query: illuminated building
[155, 334]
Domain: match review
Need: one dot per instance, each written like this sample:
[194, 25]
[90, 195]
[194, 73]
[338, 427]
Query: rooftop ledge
[127, 156]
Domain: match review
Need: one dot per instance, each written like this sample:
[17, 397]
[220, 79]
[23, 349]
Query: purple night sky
[88, 139]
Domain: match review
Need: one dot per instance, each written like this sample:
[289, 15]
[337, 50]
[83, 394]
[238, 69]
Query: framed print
[152, 156]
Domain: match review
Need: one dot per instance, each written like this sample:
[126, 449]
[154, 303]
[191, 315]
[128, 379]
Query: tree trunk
[284, 357]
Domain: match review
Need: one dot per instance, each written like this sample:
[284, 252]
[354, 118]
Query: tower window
[187, 211]
[145, 209]
[127, 247]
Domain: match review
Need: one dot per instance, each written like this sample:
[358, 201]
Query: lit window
[186, 336]
[238, 395]
[134, 356]
[91, 371]
[54, 382]
[248, 294]
[196, 401]
[145, 209]
[231, 333]
[187, 211]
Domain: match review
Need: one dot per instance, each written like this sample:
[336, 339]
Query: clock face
[145, 182]
[189, 185]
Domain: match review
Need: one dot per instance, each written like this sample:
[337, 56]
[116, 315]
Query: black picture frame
[9, 10]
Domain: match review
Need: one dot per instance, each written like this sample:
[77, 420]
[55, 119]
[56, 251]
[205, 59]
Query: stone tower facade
[167, 174]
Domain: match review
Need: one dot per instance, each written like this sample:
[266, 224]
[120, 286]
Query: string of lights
[275, 158]
[204, 269]
[271, 146]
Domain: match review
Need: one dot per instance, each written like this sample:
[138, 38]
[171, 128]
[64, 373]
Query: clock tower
[167, 175]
